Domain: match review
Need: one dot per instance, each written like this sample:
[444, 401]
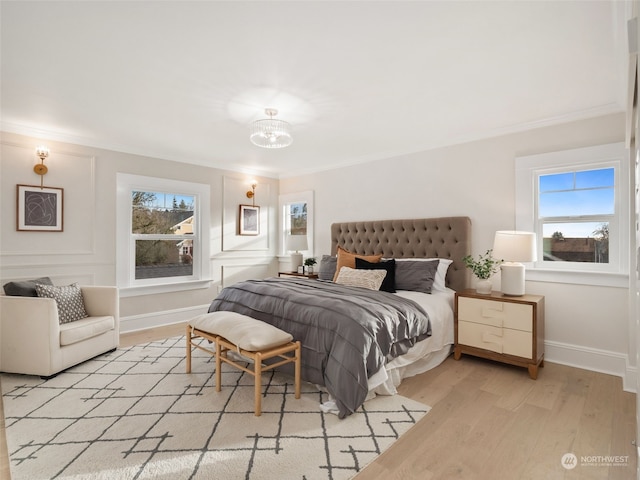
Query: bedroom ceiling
[358, 81]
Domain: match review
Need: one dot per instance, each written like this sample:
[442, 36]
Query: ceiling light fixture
[271, 133]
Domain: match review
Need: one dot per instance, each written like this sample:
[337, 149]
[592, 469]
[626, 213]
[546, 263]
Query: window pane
[161, 213]
[577, 202]
[559, 181]
[585, 192]
[298, 218]
[586, 242]
[603, 177]
[163, 258]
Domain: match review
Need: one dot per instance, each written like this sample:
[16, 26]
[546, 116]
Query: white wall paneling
[235, 194]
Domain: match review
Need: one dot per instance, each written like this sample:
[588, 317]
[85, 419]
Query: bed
[358, 342]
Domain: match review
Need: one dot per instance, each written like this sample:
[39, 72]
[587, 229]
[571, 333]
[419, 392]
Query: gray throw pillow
[69, 300]
[416, 276]
[327, 267]
[25, 288]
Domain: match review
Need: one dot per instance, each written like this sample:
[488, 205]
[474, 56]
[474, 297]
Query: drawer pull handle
[494, 339]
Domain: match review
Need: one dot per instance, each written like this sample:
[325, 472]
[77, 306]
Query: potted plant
[483, 267]
[309, 263]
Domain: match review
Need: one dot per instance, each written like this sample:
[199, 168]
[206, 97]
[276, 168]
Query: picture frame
[249, 221]
[39, 209]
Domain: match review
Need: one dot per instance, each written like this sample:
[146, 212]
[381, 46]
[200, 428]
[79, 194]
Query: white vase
[483, 286]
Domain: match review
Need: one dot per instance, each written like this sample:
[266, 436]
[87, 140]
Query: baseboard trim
[143, 321]
[597, 360]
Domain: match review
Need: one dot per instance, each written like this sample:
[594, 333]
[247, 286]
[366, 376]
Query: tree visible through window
[162, 226]
[297, 218]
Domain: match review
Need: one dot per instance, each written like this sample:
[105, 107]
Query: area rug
[134, 414]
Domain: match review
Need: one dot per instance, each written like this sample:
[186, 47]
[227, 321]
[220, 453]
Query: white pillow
[441, 273]
[371, 279]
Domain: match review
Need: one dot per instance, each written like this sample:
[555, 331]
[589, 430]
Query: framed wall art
[249, 222]
[39, 209]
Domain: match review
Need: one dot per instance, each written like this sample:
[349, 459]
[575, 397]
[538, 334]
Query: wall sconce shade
[295, 243]
[514, 247]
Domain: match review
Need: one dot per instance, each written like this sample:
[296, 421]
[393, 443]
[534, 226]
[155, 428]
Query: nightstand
[313, 276]
[501, 328]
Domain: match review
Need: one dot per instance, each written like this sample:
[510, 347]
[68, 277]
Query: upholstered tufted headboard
[445, 237]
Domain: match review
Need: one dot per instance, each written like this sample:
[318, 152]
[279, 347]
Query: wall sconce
[252, 193]
[40, 168]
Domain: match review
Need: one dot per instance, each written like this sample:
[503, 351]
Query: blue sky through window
[576, 194]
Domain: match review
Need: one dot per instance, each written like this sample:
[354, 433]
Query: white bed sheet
[426, 354]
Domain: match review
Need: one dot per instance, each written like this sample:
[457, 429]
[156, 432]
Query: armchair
[33, 342]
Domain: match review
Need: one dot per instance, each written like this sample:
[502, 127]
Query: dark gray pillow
[416, 276]
[26, 288]
[327, 267]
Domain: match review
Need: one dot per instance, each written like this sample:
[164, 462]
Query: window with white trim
[577, 204]
[162, 243]
[296, 218]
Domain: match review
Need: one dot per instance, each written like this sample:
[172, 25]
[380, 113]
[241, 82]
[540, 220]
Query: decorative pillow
[348, 259]
[389, 282]
[416, 276]
[439, 283]
[327, 267]
[69, 300]
[371, 279]
[26, 288]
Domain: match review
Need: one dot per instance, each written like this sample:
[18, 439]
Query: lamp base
[296, 261]
[512, 278]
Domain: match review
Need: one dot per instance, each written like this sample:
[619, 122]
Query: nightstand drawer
[495, 339]
[516, 316]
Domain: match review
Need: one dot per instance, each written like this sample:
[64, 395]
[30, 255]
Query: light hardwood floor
[491, 421]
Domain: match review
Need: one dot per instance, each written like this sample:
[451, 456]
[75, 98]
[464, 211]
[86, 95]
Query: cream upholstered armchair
[33, 342]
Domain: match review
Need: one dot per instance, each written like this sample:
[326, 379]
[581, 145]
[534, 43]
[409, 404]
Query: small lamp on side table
[514, 247]
[295, 243]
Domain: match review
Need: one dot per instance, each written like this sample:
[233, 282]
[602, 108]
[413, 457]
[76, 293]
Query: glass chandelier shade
[271, 133]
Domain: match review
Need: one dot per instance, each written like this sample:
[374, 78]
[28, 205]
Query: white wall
[585, 325]
[85, 251]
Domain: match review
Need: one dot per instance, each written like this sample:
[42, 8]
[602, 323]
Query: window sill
[163, 288]
[617, 280]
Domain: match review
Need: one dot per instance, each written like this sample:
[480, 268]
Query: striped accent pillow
[371, 279]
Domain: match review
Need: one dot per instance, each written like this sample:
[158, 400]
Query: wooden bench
[249, 337]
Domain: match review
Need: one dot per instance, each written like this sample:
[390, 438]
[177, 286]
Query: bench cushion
[245, 332]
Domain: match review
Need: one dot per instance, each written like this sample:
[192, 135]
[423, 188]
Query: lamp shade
[296, 243]
[514, 246]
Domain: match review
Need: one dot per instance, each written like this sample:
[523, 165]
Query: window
[577, 204]
[576, 212]
[296, 218]
[160, 234]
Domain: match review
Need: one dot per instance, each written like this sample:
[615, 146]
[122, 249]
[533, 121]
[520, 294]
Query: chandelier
[271, 133]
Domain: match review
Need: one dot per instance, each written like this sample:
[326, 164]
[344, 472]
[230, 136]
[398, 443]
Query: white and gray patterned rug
[135, 414]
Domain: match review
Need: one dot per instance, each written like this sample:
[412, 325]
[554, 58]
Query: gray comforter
[347, 333]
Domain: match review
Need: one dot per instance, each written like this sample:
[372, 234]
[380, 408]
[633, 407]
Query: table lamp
[514, 247]
[296, 243]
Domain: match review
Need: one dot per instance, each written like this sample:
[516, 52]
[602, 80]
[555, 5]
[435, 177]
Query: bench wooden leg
[298, 362]
[218, 366]
[188, 337]
[258, 384]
